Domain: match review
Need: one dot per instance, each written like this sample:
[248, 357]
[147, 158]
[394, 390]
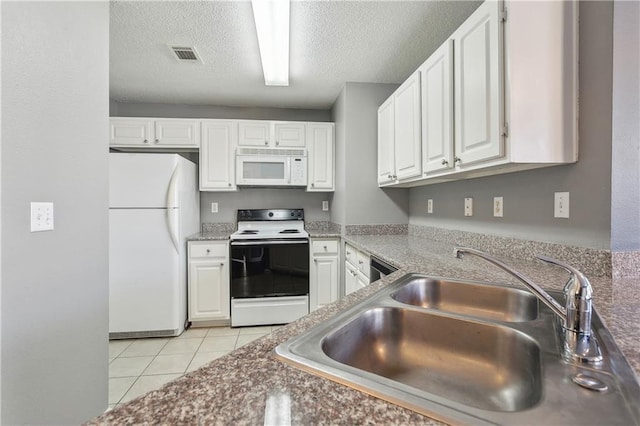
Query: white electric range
[269, 267]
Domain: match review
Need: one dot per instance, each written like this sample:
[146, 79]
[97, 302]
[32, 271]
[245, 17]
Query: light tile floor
[137, 366]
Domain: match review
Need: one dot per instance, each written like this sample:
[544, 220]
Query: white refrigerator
[154, 204]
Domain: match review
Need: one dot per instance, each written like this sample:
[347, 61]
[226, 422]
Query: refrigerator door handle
[172, 210]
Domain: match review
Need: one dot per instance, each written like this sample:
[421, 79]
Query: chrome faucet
[575, 316]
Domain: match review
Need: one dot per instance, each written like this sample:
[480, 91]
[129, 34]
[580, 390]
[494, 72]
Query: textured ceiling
[332, 42]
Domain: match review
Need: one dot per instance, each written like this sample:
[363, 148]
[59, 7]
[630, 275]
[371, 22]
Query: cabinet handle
[277, 143]
[444, 162]
[457, 160]
[208, 251]
[146, 141]
[157, 141]
[325, 248]
[266, 142]
[360, 262]
[313, 184]
[229, 184]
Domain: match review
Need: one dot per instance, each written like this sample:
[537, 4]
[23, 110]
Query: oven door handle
[267, 242]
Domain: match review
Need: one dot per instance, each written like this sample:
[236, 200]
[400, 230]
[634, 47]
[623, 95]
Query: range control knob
[270, 214]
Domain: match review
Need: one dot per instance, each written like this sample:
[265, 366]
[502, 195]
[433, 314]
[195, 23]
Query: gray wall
[122, 109]
[528, 196]
[55, 82]
[625, 178]
[358, 200]
[262, 198]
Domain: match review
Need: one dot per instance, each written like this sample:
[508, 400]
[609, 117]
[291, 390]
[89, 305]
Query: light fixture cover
[272, 25]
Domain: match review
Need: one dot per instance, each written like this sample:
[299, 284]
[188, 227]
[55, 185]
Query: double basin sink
[467, 352]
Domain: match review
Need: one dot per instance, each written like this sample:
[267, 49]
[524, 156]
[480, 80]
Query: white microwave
[271, 167]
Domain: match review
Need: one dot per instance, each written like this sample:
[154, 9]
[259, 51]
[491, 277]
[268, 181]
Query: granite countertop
[235, 389]
[322, 233]
[209, 236]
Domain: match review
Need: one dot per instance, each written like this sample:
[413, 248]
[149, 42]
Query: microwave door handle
[287, 168]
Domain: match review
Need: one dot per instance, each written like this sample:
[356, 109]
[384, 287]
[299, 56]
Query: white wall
[528, 196]
[55, 83]
[625, 173]
[358, 200]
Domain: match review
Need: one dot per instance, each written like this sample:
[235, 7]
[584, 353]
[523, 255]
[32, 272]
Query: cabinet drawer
[324, 247]
[208, 250]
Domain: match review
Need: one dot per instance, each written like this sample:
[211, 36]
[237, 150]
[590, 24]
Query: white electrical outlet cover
[41, 217]
[325, 206]
[214, 207]
[429, 206]
[498, 206]
[561, 205]
[468, 206]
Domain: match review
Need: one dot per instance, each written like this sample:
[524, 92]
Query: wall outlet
[214, 207]
[468, 206]
[429, 206]
[325, 206]
[498, 206]
[41, 217]
[561, 205]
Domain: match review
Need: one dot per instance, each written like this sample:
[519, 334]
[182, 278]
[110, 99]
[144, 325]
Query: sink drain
[589, 382]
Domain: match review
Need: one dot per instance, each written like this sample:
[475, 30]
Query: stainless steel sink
[474, 299]
[476, 364]
[494, 359]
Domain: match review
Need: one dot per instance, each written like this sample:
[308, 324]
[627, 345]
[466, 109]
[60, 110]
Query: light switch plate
[430, 206]
[214, 207]
[325, 206]
[41, 216]
[498, 206]
[468, 206]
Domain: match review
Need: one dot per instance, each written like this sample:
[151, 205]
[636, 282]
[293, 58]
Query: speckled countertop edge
[235, 388]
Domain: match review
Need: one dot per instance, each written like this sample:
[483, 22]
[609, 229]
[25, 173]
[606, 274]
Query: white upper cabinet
[500, 95]
[271, 134]
[321, 157]
[158, 133]
[437, 109]
[399, 143]
[217, 155]
[289, 135]
[478, 88]
[407, 128]
[254, 133]
[386, 160]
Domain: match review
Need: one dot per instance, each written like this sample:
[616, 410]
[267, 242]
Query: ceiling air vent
[186, 54]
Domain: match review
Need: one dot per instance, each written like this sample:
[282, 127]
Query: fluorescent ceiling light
[272, 26]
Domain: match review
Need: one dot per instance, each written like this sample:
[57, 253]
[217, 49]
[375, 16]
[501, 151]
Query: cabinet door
[208, 290]
[254, 133]
[177, 133]
[324, 274]
[478, 91]
[437, 109]
[320, 161]
[289, 135]
[350, 279]
[130, 132]
[407, 143]
[361, 280]
[217, 156]
[386, 160]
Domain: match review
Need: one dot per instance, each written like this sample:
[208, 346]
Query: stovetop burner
[270, 224]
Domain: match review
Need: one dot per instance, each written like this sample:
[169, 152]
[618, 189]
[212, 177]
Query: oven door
[273, 268]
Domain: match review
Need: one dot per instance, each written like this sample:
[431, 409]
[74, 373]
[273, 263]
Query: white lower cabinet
[356, 274]
[323, 272]
[208, 278]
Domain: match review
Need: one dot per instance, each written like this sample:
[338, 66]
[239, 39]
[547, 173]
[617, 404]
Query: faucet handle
[582, 289]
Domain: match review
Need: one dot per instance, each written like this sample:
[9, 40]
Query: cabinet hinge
[503, 15]
[505, 130]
